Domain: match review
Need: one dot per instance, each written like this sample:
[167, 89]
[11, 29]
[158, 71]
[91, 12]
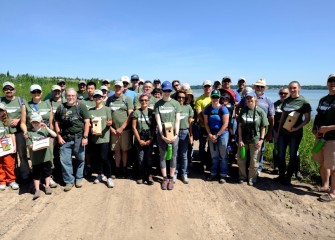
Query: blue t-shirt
[215, 117]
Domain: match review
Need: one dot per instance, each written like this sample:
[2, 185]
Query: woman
[167, 114]
[216, 118]
[100, 129]
[251, 132]
[185, 135]
[297, 106]
[143, 131]
[43, 108]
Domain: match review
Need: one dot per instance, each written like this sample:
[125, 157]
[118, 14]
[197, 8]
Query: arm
[240, 139]
[225, 120]
[160, 128]
[23, 123]
[261, 138]
[58, 131]
[87, 124]
[200, 116]
[51, 119]
[125, 124]
[176, 126]
[211, 137]
[306, 120]
[14, 142]
[51, 132]
[137, 135]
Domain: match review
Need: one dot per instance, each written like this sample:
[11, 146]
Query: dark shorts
[43, 169]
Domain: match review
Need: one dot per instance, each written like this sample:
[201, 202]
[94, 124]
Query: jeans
[162, 152]
[261, 158]
[202, 146]
[218, 152]
[72, 147]
[293, 141]
[144, 159]
[182, 164]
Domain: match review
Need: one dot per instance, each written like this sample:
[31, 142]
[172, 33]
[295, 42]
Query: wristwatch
[85, 136]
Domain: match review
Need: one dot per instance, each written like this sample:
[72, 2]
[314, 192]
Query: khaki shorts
[326, 155]
[122, 142]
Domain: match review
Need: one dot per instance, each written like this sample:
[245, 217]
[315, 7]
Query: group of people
[102, 131]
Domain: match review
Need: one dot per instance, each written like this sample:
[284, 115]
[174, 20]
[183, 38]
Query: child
[7, 162]
[41, 159]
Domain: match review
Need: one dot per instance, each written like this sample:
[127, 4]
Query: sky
[192, 41]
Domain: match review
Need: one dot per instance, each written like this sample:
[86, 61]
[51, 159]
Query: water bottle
[319, 145]
[242, 152]
[169, 152]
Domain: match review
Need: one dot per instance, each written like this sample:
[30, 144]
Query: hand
[119, 131]
[241, 143]
[259, 144]
[25, 135]
[113, 131]
[191, 140]
[14, 122]
[109, 122]
[212, 138]
[268, 136]
[175, 137]
[43, 125]
[148, 142]
[323, 129]
[84, 142]
[165, 139]
[14, 149]
[60, 140]
[142, 143]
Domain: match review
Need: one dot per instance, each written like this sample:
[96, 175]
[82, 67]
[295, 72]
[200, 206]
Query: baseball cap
[97, 93]
[104, 88]
[215, 93]
[134, 77]
[35, 87]
[105, 81]
[125, 79]
[141, 80]
[166, 86]
[61, 80]
[207, 82]
[226, 79]
[241, 79]
[118, 83]
[157, 80]
[8, 84]
[331, 76]
[226, 95]
[3, 106]
[35, 117]
[55, 87]
[249, 94]
[82, 81]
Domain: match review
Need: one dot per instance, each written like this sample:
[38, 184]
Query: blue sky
[192, 41]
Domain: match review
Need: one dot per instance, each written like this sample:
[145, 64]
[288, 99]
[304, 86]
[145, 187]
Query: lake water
[313, 96]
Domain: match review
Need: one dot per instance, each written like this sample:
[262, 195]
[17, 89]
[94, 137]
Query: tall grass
[309, 168]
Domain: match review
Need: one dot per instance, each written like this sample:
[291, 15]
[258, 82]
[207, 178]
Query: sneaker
[150, 180]
[275, 171]
[139, 181]
[37, 194]
[222, 180]
[240, 181]
[103, 178]
[97, 179]
[52, 183]
[170, 185]
[211, 178]
[14, 185]
[299, 176]
[174, 179]
[110, 183]
[2, 187]
[185, 179]
[164, 184]
[250, 182]
[68, 187]
[79, 183]
[48, 190]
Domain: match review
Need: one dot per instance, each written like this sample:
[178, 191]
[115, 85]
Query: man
[266, 104]
[106, 83]
[226, 84]
[176, 86]
[14, 107]
[89, 101]
[241, 85]
[62, 84]
[122, 140]
[127, 92]
[157, 83]
[135, 84]
[217, 85]
[72, 123]
[324, 129]
[200, 105]
[147, 88]
[82, 93]
[104, 90]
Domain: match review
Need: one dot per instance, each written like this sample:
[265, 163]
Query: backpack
[19, 99]
[62, 107]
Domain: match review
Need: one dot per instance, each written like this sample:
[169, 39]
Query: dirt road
[199, 210]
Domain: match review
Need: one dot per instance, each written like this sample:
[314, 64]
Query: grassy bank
[309, 168]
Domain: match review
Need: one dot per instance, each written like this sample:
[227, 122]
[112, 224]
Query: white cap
[125, 79]
[207, 82]
[35, 87]
[8, 84]
[119, 83]
[56, 87]
[98, 92]
[103, 87]
[35, 117]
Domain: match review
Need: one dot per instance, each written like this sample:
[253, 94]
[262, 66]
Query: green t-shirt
[14, 110]
[252, 120]
[42, 108]
[167, 110]
[89, 103]
[185, 114]
[104, 113]
[71, 118]
[49, 96]
[4, 130]
[300, 105]
[151, 105]
[54, 105]
[82, 96]
[144, 119]
[119, 107]
[43, 155]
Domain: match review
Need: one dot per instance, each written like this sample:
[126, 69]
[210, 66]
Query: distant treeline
[20, 78]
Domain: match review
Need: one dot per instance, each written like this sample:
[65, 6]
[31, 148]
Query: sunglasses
[226, 81]
[257, 86]
[135, 80]
[331, 80]
[215, 97]
[144, 100]
[176, 85]
[8, 89]
[62, 83]
[181, 97]
[207, 86]
[125, 83]
[36, 91]
[283, 93]
[97, 96]
[167, 91]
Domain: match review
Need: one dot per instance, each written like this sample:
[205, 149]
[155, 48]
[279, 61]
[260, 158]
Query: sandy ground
[199, 210]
